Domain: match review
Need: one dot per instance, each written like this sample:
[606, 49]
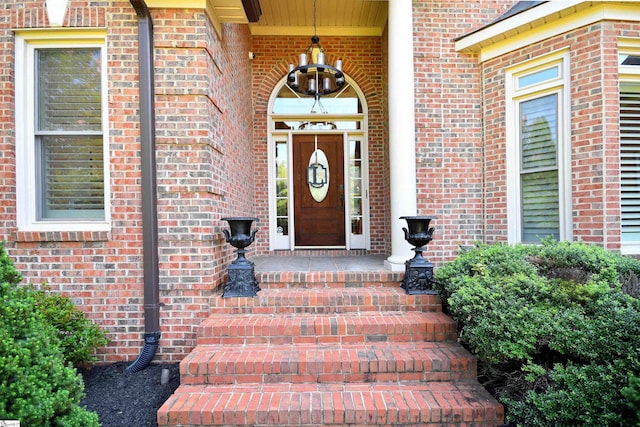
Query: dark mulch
[126, 400]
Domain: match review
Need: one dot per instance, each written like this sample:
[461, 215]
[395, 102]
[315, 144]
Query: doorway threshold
[319, 248]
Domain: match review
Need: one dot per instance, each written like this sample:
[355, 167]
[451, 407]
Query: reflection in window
[630, 161]
[538, 77]
[624, 59]
[355, 185]
[68, 134]
[282, 190]
[539, 168]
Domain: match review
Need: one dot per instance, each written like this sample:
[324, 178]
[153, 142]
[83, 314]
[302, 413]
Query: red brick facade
[212, 150]
[595, 157]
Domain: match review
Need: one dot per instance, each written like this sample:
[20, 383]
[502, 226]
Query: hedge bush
[79, 337]
[37, 387]
[555, 329]
[38, 384]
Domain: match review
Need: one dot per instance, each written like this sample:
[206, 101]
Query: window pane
[355, 185]
[538, 77]
[624, 59]
[68, 90]
[630, 162]
[345, 101]
[539, 132]
[539, 172]
[540, 207]
[282, 189]
[72, 174]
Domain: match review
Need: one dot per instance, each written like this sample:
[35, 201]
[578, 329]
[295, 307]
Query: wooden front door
[318, 222]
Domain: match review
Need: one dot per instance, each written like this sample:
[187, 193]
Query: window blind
[69, 139]
[539, 168]
[630, 162]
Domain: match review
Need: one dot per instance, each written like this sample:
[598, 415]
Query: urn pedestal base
[242, 280]
[418, 276]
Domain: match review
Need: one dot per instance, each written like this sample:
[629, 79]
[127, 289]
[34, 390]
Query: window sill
[62, 236]
[630, 248]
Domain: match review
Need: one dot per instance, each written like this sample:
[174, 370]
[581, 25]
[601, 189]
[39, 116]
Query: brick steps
[326, 328]
[373, 362]
[355, 404]
[310, 350]
[327, 279]
[327, 300]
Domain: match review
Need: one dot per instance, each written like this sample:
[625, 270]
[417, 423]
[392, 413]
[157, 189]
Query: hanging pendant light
[313, 76]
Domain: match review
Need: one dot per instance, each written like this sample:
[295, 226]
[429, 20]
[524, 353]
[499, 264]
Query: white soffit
[542, 22]
[225, 10]
[219, 11]
[334, 18]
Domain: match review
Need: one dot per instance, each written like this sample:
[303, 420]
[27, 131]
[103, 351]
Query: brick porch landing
[328, 341]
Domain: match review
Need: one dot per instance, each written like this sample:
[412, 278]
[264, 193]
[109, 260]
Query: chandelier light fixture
[313, 76]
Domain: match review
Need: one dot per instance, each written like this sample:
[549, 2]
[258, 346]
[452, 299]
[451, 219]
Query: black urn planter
[242, 279]
[418, 272]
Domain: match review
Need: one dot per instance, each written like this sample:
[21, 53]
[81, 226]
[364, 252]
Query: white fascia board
[482, 37]
[493, 42]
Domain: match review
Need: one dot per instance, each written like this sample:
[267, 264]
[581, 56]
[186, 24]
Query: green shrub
[632, 394]
[554, 327]
[36, 385]
[8, 272]
[78, 335]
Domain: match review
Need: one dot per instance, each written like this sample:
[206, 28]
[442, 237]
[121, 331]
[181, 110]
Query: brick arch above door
[362, 61]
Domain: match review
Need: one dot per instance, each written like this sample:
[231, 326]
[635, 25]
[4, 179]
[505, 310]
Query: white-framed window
[538, 149]
[62, 174]
[629, 72]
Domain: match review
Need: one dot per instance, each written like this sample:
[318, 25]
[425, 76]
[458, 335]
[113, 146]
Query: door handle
[341, 193]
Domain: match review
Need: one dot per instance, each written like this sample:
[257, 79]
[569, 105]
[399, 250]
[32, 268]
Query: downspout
[149, 197]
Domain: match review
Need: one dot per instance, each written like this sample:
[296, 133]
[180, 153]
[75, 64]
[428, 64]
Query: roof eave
[523, 21]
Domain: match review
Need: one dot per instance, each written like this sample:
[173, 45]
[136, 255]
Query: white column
[402, 147]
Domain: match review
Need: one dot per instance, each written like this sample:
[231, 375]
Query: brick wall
[449, 138]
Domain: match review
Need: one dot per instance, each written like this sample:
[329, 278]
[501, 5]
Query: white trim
[629, 248]
[26, 44]
[513, 96]
[553, 18]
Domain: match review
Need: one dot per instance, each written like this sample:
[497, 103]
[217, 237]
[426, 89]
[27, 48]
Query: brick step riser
[325, 339]
[270, 305]
[387, 405]
[326, 378]
[362, 363]
[326, 329]
[408, 333]
[304, 284]
[257, 309]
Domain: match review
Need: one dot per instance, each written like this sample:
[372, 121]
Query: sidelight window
[537, 150]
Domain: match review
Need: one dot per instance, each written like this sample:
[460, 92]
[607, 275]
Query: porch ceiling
[334, 17]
